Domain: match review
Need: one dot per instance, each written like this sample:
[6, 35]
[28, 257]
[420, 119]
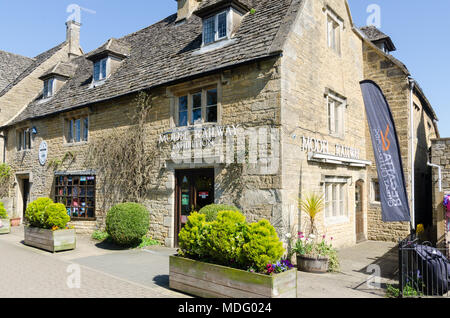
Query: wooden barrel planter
[52, 241]
[5, 226]
[312, 265]
[215, 281]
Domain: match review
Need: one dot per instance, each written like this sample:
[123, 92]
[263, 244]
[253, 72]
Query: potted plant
[5, 224]
[47, 226]
[314, 255]
[230, 258]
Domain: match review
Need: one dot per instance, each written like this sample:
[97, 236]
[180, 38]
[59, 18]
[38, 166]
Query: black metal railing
[423, 269]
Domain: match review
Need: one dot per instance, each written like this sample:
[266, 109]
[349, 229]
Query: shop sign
[185, 199]
[203, 194]
[43, 152]
[311, 144]
[197, 137]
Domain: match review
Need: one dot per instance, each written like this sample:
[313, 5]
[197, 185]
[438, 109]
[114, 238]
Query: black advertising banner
[394, 198]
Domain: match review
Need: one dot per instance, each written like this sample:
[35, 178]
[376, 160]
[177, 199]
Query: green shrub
[262, 245]
[211, 211]
[226, 238]
[3, 214]
[35, 212]
[55, 216]
[193, 237]
[127, 223]
[231, 241]
[100, 235]
[148, 241]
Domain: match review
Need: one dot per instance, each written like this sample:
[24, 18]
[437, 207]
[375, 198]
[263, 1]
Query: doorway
[359, 211]
[194, 190]
[23, 194]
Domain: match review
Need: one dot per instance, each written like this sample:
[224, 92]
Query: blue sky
[419, 29]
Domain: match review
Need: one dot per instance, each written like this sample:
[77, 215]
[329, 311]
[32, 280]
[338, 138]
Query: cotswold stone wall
[310, 68]
[249, 96]
[393, 80]
[440, 155]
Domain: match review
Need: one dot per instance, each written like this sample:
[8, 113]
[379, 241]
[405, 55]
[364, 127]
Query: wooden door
[194, 190]
[359, 218]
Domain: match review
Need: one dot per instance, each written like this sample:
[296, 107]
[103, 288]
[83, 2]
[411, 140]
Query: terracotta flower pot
[15, 222]
[312, 265]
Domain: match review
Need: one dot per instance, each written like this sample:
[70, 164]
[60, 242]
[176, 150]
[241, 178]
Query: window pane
[77, 130]
[196, 108]
[103, 69]
[20, 140]
[211, 114]
[70, 132]
[183, 111]
[335, 200]
[211, 97]
[209, 30]
[28, 139]
[85, 129]
[96, 71]
[222, 25]
[45, 89]
[337, 116]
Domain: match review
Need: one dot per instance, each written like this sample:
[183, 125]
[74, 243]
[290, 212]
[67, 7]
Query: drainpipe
[413, 201]
[440, 173]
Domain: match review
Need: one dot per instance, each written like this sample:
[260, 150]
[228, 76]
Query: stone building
[251, 103]
[395, 80]
[440, 159]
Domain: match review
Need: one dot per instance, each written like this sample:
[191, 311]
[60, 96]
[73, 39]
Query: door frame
[360, 216]
[20, 192]
[177, 206]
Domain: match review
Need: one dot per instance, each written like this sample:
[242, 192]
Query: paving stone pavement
[28, 272]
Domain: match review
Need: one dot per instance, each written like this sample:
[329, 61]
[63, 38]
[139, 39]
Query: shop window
[336, 199]
[24, 139]
[77, 130]
[336, 114]
[197, 108]
[77, 193]
[375, 192]
[334, 32]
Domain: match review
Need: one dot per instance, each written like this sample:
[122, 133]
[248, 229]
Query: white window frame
[336, 104]
[106, 70]
[70, 128]
[22, 144]
[204, 106]
[336, 194]
[216, 27]
[49, 88]
[334, 30]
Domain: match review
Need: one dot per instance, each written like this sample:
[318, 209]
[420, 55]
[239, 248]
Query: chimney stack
[73, 38]
[186, 8]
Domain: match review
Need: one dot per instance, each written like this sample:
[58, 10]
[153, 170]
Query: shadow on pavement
[161, 280]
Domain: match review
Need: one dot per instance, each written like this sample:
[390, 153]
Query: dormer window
[48, 88]
[215, 28]
[100, 71]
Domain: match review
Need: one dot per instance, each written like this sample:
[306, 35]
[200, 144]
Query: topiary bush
[211, 211]
[231, 241]
[262, 245]
[3, 214]
[226, 238]
[35, 212]
[127, 223]
[55, 216]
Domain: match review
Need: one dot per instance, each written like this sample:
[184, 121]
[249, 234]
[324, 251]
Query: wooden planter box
[5, 227]
[52, 241]
[214, 281]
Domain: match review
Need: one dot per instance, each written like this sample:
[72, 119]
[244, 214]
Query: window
[48, 88]
[197, 108]
[375, 195]
[24, 139]
[215, 28]
[100, 69]
[336, 199]
[334, 33]
[335, 108]
[77, 193]
[77, 130]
